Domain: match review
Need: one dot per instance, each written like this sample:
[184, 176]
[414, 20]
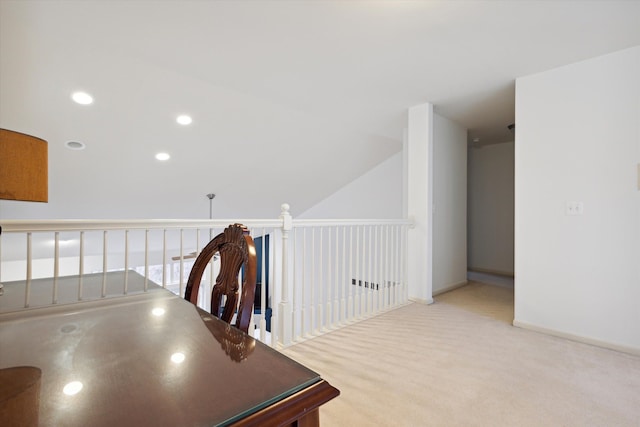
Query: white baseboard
[490, 279]
[585, 340]
[450, 287]
[490, 271]
[421, 300]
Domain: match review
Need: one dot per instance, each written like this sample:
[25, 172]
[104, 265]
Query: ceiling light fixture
[82, 98]
[163, 156]
[184, 120]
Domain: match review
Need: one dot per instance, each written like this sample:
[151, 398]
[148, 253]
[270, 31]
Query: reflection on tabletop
[236, 344]
[147, 359]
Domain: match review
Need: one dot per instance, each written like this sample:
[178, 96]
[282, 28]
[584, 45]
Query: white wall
[490, 210]
[449, 204]
[377, 195]
[578, 139]
[69, 265]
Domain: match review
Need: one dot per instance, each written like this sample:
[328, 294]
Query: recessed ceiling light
[82, 98]
[163, 156]
[184, 120]
[74, 145]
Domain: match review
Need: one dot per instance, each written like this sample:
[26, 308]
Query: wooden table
[153, 359]
[46, 292]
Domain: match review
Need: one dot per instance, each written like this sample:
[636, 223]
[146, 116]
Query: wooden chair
[236, 250]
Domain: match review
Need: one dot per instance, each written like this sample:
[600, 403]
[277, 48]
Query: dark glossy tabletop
[150, 359]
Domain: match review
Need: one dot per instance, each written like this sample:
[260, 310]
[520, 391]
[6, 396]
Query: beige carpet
[459, 362]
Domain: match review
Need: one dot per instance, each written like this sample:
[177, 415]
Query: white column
[285, 309]
[419, 182]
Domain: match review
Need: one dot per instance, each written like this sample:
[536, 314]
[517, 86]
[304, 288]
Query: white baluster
[146, 260]
[336, 279]
[81, 266]
[303, 310]
[344, 280]
[104, 264]
[312, 284]
[350, 277]
[27, 289]
[393, 272]
[357, 309]
[164, 259]
[181, 282]
[126, 262]
[384, 266]
[294, 289]
[375, 280]
[404, 242]
[56, 267]
[322, 292]
[327, 285]
[369, 272]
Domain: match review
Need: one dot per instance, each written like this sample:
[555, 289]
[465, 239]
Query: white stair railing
[344, 271]
[314, 275]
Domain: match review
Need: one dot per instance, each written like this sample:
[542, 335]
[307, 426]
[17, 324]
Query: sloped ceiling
[290, 100]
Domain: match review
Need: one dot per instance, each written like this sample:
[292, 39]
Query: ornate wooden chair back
[236, 250]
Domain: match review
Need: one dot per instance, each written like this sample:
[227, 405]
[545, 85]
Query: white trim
[585, 340]
[421, 300]
[15, 226]
[450, 287]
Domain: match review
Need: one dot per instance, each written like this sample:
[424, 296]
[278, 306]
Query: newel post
[285, 316]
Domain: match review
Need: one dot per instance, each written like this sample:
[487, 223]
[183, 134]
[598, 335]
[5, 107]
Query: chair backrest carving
[237, 250]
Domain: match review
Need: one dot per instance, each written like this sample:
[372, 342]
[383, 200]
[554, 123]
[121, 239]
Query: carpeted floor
[459, 362]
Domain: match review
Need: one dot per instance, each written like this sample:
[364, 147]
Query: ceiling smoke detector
[74, 145]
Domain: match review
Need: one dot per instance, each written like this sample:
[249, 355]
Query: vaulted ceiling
[290, 100]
